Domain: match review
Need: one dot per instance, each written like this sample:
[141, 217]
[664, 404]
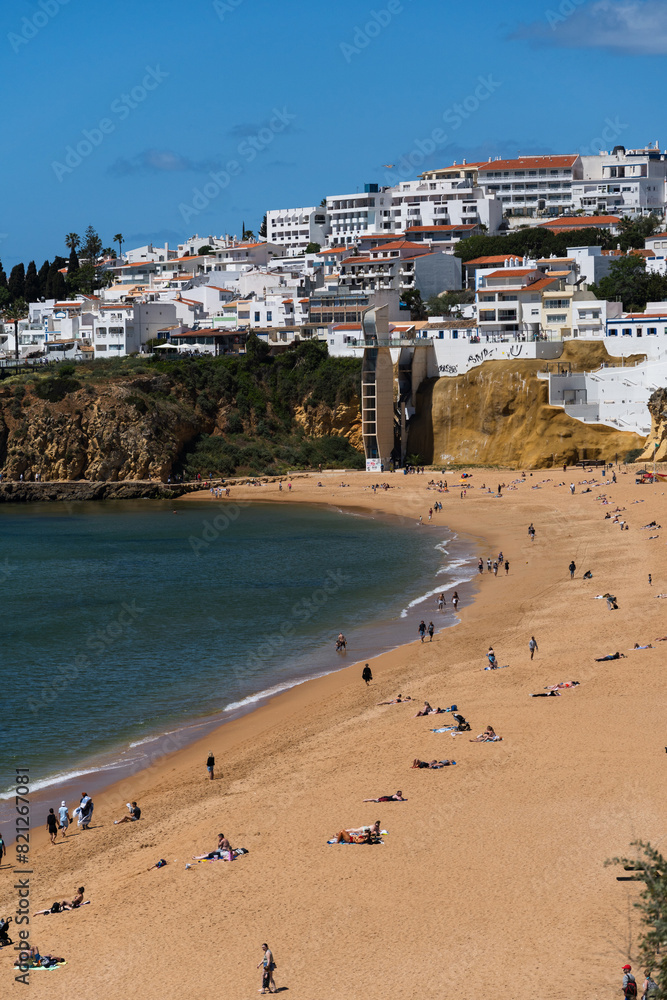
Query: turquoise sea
[128, 627]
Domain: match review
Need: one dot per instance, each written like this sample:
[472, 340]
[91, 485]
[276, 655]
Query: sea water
[126, 621]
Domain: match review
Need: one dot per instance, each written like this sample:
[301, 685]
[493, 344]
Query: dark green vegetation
[536, 241]
[630, 283]
[650, 868]
[244, 404]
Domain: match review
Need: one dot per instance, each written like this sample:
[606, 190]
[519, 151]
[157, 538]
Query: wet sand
[491, 878]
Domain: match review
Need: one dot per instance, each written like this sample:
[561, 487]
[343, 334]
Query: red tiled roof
[208, 332]
[325, 253]
[531, 162]
[576, 222]
[399, 245]
[498, 258]
[512, 272]
[541, 284]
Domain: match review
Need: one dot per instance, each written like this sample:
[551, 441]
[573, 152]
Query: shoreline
[480, 852]
[118, 763]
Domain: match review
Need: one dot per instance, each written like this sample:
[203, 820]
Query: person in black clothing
[210, 764]
[572, 569]
[366, 674]
[52, 826]
[4, 933]
[431, 630]
[134, 815]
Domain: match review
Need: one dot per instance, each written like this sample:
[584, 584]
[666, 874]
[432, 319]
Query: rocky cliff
[134, 428]
[498, 414]
[656, 443]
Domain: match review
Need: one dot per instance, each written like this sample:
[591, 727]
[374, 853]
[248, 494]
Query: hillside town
[315, 272]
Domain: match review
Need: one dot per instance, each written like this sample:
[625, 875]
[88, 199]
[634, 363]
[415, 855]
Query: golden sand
[491, 881]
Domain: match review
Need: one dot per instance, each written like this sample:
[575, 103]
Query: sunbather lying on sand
[428, 710]
[73, 904]
[488, 736]
[434, 764]
[359, 835]
[563, 684]
[223, 849]
[637, 646]
[396, 797]
[396, 701]
[610, 656]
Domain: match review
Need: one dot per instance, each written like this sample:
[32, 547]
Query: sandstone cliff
[658, 436]
[498, 414]
[127, 428]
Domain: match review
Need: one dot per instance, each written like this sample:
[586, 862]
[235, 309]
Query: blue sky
[162, 120]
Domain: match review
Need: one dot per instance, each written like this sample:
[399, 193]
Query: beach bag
[631, 989]
[161, 863]
[55, 908]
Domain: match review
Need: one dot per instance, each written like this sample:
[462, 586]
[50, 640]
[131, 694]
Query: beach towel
[352, 843]
[445, 729]
[238, 852]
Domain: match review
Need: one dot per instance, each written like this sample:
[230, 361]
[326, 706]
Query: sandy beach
[491, 878]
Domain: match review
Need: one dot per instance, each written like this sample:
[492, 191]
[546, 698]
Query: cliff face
[658, 436]
[320, 421]
[498, 414]
[124, 429]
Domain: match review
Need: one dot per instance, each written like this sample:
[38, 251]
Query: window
[557, 303]
[256, 317]
[101, 347]
[627, 331]
[612, 333]
[652, 331]
[487, 316]
[269, 317]
[556, 317]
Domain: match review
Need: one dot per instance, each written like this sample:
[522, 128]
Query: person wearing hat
[629, 982]
[63, 817]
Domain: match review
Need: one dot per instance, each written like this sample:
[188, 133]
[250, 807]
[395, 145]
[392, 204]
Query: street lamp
[655, 448]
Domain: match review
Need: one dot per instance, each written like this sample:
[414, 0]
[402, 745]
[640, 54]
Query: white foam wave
[271, 692]
[457, 581]
[59, 779]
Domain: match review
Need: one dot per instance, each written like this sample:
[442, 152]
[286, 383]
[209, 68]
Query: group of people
[493, 565]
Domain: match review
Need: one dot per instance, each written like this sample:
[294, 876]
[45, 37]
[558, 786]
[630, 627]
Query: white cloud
[635, 27]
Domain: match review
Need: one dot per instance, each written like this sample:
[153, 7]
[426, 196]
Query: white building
[353, 214]
[447, 202]
[147, 253]
[532, 185]
[623, 182]
[294, 228]
[115, 332]
[402, 266]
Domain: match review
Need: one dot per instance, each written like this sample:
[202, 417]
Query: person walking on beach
[532, 645]
[491, 657]
[431, 630]
[572, 488]
[488, 565]
[3, 849]
[650, 580]
[629, 987]
[422, 629]
[267, 971]
[366, 674]
[441, 602]
[649, 986]
[455, 600]
[210, 764]
[572, 569]
[507, 567]
[531, 532]
[480, 565]
[63, 817]
[495, 568]
[52, 826]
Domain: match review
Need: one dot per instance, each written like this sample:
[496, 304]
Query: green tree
[248, 234]
[92, 246]
[85, 280]
[635, 232]
[262, 228]
[119, 239]
[56, 287]
[651, 869]
[31, 292]
[73, 264]
[16, 283]
[627, 280]
[42, 277]
[205, 250]
[413, 300]
[14, 313]
[313, 248]
[72, 241]
[448, 303]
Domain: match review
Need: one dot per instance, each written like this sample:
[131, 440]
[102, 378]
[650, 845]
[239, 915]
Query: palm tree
[14, 313]
[72, 240]
[119, 239]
